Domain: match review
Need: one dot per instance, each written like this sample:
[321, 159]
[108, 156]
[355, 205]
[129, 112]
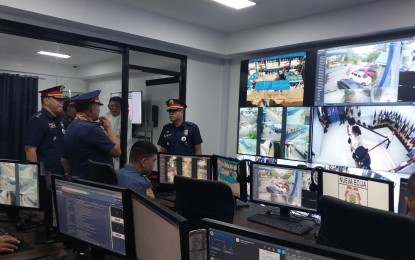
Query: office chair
[197, 199]
[102, 172]
[365, 230]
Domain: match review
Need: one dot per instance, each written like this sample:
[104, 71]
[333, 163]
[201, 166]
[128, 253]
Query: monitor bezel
[278, 240]
[391, 184]
[241, 175]
[166, 214]
[126, 212]
[41, 185]
[170, 185]
[282, 207]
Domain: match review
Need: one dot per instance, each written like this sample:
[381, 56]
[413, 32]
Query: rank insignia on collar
[186, 132]
[52, 125]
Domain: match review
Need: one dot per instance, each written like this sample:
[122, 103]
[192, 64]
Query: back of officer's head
[141, 150]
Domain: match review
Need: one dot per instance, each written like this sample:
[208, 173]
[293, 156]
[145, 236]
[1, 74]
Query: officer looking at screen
[179, 136]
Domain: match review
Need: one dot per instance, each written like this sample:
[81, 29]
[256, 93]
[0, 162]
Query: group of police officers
[64, 143]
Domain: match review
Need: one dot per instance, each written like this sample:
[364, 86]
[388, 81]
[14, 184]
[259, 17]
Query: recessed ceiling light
[58, 55]
[237, 4]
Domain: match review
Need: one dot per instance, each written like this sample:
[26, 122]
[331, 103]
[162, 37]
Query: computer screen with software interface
[228, 242]
[359, 190]
[92, 214]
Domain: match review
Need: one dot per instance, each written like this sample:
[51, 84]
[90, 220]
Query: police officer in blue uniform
[179, 136]
[85, 139]
[70, 112]
[45, 131]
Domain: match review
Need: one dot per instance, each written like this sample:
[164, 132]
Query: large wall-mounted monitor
[374, 193]
[135, 106]
[159, 233]
[192, 166]
[21, 185]
[94, 214]
[285, 187]
[374, 73]
[274, 80]
[387, 132]
[229, 171]
[227, 242]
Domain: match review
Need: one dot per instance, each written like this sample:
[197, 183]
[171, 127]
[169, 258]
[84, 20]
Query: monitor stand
[45, 235]
[284, 214]
[240, 204]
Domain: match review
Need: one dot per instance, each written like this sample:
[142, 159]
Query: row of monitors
[127, 224]
[320, 135]
[287, 187]
[381, 72]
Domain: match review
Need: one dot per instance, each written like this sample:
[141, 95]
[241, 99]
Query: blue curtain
[19, 101]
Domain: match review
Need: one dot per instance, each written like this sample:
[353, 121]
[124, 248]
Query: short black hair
[410, 187]
[116, 99]
[356, 129]
[351, 121]
[141, 150]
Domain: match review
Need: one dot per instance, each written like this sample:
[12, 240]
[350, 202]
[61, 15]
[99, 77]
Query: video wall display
[275, 132]
[276, 80]
[374, 73]
[378, 138]
[297, 139]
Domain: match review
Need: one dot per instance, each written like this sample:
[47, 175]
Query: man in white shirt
[114, 116]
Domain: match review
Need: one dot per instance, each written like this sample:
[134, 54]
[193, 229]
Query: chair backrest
[365, 230]
[197, 199]
[102, 172]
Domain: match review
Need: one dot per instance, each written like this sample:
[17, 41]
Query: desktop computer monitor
[192, 166]
[226, 241]
[286, 187]
[232, 172]
[21, 186]
[402, 194]
[356, 189]
[94, 214]
[159, 232]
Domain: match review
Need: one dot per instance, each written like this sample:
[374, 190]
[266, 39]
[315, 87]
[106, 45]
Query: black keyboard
[275, 221]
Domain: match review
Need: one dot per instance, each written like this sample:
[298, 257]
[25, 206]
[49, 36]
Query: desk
[241, 219]
[40, 250]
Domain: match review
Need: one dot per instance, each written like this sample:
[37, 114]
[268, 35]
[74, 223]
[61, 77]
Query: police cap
[88, 98]
[55, 92]
[174, 104]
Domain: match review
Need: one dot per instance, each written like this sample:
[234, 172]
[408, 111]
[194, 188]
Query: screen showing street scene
[247, 132]
[19, 184]
[271, 131]
[378, 138]
[170, 165]
[276, 80]
[381, 72]
[282, 186]
[297, 140]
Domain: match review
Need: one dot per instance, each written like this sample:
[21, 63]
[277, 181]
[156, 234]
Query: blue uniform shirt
[180, 139]
[86, 140]
[129, 177]
[66, 120]
[45, 132]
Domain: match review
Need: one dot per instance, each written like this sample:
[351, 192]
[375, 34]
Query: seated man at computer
[141, 162]
[8, 244]
[410, 197]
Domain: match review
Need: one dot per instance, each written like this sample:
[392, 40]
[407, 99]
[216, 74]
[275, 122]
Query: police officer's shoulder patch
[38, 114]
[189, 123]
